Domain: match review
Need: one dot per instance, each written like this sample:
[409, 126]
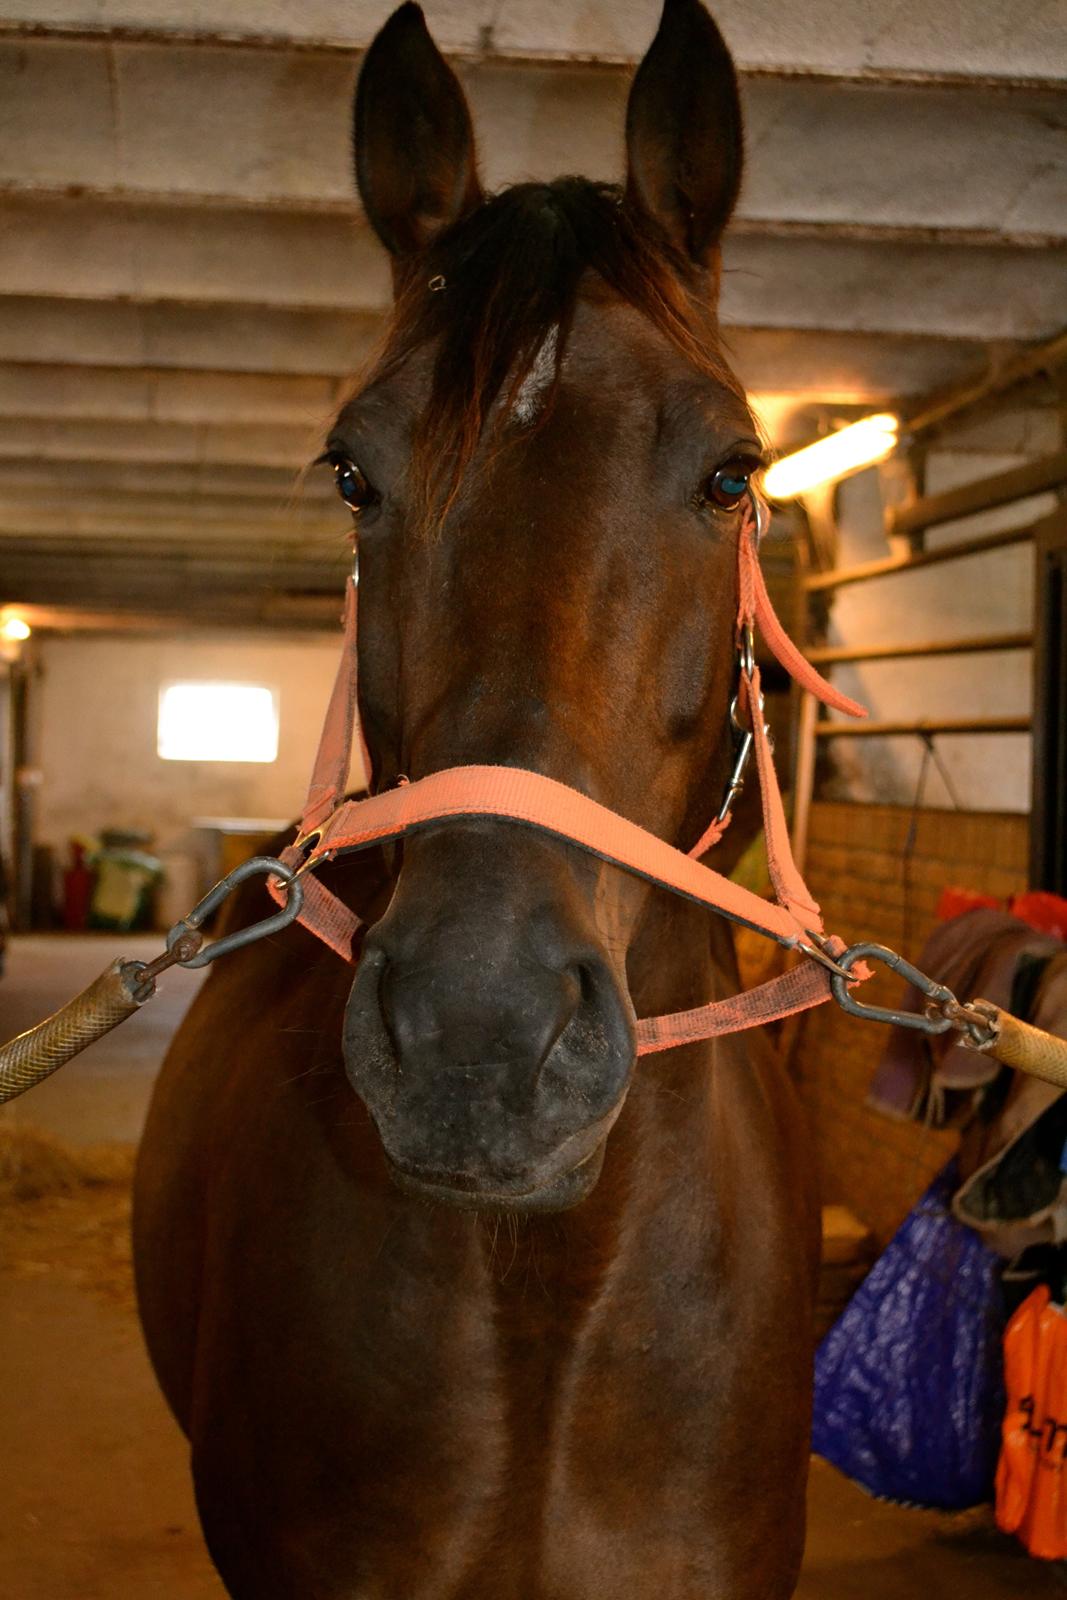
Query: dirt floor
[97, 1497]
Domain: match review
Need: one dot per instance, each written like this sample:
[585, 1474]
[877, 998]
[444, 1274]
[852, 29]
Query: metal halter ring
[746, 650]
[761, 511]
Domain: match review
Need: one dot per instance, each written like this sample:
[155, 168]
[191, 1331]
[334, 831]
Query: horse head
[546, 464]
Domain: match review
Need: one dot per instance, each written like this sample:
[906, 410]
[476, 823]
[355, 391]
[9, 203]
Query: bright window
[217, 722]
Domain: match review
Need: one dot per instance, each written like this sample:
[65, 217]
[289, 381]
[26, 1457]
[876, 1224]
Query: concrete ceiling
[185, 280]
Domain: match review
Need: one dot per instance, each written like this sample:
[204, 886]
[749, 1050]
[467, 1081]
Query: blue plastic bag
[909, 1384]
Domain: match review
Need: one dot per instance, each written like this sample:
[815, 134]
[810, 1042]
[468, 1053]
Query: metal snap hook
[744, 736]
[256, 866]
[934, 1020]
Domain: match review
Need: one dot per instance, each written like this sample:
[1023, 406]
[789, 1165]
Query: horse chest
[482, 1414]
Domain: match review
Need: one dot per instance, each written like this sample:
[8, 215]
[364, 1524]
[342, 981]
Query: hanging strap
[754, 608]
[789, 887]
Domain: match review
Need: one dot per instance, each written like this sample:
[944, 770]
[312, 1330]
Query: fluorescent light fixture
[15, 629]
[861, 444]
[217, 722]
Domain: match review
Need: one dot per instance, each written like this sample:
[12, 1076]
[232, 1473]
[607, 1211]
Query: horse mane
[499, 284]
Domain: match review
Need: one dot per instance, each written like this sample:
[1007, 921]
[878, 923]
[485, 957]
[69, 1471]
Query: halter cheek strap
[329, 775]
[332, 826]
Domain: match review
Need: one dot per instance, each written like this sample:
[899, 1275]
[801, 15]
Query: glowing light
[217, 722]
[14, 629]
[859, 445]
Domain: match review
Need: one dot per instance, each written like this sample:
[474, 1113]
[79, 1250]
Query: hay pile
[65, 1212]
[34, 1165]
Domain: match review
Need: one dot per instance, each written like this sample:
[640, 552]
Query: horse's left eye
[352, 485]
[728, 485]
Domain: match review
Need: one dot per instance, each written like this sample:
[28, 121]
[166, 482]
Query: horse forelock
[496, 298]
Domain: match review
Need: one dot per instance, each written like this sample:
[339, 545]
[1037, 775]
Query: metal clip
[141, 976]
[736, 781]
[936, 1018]
[307, 842]
[976, 1020]
[255, 866]
[744, 738]
[816, 950]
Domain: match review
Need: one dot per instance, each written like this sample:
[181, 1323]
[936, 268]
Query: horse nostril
[465, 1014]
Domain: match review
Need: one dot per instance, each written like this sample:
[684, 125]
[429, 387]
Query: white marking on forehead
[533, 387]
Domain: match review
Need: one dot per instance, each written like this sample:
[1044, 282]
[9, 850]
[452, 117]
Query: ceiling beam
[206, 445]
[167, 335]
[1038, 361]
[123, 482]
[237, 128]
[261, 260]
[192, 600]
[174, 335]
[825, 36]
[21, 534]
[122, 511]
[47, 573]
[154, 394]
[317, 612]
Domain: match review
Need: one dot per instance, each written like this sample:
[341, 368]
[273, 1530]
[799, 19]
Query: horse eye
[728, 485]
[352, 485]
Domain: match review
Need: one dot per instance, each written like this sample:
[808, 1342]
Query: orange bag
[1032, 1472]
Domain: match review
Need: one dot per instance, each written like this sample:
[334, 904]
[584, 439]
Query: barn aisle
[99, 1503]
[862, 1549]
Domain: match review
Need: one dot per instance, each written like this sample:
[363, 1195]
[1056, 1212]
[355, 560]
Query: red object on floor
[78, 883]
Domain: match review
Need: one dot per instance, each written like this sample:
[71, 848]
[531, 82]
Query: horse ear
[683, 131]
[414, 147]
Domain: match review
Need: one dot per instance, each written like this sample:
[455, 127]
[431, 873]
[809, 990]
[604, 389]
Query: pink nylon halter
[331, 826]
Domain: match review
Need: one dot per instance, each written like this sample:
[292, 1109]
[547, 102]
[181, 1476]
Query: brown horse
[453, 1302]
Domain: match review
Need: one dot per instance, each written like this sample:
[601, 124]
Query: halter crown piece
[331, 826]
